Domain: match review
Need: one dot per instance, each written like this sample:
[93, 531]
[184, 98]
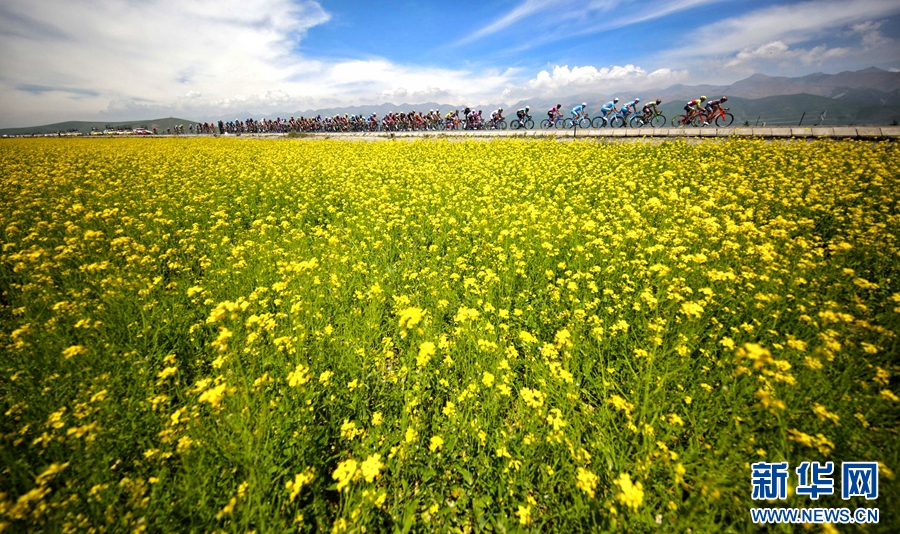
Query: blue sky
[122, 60]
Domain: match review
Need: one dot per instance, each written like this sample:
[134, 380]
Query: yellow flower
[377, 418]
[526, 337]
[524, 513]
[449, 409]
[299, 376]
[74, 350]
[437, 443]
[344, 473]
[300, 480]
[410, 317]
[587, 481]
[823, 414]
[691, 309]
[487, 379]
[194, 290]
[167, 372]
[563, 338]
[621, 404]
[465, 314]
[411, 435]
[348, 430]
[213, 395]
[532, 397]
[631, 495]
[371, 467]
[427, 349]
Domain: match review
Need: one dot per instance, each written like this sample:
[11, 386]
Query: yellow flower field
[205, 335]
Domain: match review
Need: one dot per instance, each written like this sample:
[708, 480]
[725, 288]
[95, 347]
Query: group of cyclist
[701, 109]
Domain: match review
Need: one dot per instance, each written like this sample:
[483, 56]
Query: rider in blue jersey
[609, 107]
[579, 110]
[630, 107]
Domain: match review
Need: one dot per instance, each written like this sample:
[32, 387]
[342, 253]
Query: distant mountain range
[85, 127]
[869, 96]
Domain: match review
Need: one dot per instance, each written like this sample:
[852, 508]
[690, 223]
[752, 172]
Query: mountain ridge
[854, 93]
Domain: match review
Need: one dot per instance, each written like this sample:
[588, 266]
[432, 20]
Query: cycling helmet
[616, 99]
[702, 98]
[526, 108]
[584, 104]
[558, 106]
[724, 99]
[658, 101]
[636, 100]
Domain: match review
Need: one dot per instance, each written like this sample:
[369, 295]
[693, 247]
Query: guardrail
[846, 132]
[838, 132]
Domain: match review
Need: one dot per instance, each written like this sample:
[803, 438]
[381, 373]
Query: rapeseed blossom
[445, 342]
[630, 494]
[587, 481]
[371, 467]
[344, 473]
[532, 397]
[300, 480]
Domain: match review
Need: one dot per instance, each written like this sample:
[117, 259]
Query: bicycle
[582, 121]
[453, 123]
[656, 120]
[629, 118]
[558, 122]
[613, 119]
[497, 124]
[524, 122]
[721, 117]
[682, 120]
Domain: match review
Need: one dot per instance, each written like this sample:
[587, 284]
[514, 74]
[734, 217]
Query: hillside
[788, 110]
[85, 126]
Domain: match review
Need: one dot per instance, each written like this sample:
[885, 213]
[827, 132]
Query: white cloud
[787, 24]
[563, 19]
[871, 36]
[165, 55]
[195, 59]
[779, 51]
[521, 11]
[563, 81]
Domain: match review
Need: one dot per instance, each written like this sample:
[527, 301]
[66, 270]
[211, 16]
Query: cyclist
[496, 117]
[467, 116]
[472, 119]
[713, 106]
[694, 107]
[453, 119]
[579, 111]
[554, 113]
[650, 109]
[629, 107]
[609, 107]
[522, 113]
